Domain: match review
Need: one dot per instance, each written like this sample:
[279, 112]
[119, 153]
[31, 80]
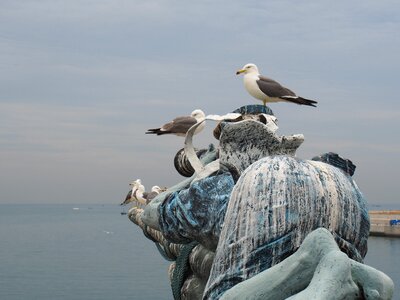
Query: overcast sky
[81, 81]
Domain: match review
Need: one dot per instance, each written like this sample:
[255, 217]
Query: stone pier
[385, 223]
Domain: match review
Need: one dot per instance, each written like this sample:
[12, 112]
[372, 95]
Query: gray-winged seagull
[136, 193]
[180, 125]
[268, 90]
[155, 190]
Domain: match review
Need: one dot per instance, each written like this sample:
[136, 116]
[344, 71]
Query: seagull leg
[265, 102]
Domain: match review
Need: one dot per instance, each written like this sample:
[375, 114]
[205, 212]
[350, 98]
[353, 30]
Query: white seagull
[268, 90]
[136, 194]
[180, 125]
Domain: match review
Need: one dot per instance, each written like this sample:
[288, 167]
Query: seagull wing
[272, 88]
[150, 196]
[128, 198]
[179, 125]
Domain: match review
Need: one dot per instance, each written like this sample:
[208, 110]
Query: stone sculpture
[250, 213]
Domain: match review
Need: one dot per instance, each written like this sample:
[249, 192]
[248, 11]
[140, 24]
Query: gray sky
[81, 81]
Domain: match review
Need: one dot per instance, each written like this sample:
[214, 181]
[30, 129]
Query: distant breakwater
[385, 223]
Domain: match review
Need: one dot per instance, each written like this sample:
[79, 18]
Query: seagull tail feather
[300, 101]
[157, 131]
[153, 131]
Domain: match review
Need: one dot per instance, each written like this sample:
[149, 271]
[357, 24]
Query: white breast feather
[250, 83]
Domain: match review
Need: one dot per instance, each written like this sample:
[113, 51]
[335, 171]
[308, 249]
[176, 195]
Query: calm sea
[57, 252]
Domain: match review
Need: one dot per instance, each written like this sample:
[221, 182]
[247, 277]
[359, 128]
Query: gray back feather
[272, 88]
[179, 125]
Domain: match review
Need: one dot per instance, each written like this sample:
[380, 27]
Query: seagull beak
[240, 71]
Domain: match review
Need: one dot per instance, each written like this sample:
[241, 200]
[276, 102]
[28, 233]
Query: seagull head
[247, 69]
[137, 182]
[198, 114]
[156, 189]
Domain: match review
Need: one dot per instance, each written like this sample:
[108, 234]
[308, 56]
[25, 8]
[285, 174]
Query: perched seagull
[180, 125]
[129, 196]
[155, 190]
[268, 90]
[136, 194]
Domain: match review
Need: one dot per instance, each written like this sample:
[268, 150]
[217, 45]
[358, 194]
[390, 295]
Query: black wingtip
[152, 131]
[308, 102]
[300, 101]
[157, 132]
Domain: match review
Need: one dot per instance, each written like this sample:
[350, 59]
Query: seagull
[136, 193]
[180, 125]
[155, 190]
[268, 90]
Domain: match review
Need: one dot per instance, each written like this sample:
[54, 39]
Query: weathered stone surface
[197, 213]
[255, 112]
[182, 164]
[243, 143]
[150, 215]
[201, 260]
[277, 201]
[318, 270]
[254, 109]
[335, 160]
[193, 288]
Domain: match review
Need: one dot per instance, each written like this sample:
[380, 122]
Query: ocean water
[56, 252]
[383, 254]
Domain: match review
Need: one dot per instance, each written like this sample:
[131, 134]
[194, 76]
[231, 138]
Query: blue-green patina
[197, 213]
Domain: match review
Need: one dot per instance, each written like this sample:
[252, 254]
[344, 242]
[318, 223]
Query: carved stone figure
[249, 205]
